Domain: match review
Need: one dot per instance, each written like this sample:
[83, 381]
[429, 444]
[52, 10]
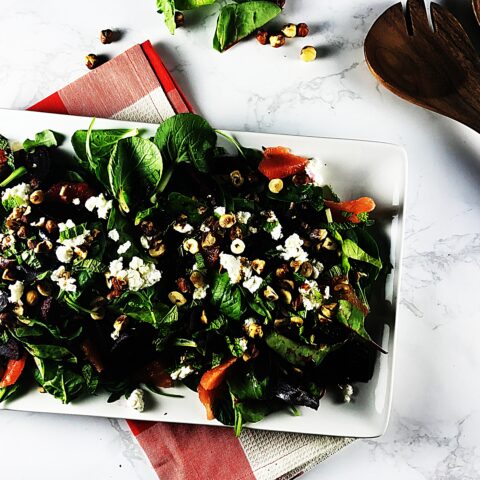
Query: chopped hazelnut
[277, 41]
[203, 318]
[91, 61]
[306, 269]
[97, 313]
[157, 249]
[237, 178]
[262, 37]
[258, 266]
[329, 244]
[44, 289]
[31, 297]
[275, 185]
[287, 296]
[290, 30]
[209, 240]
[8, 275]
[191, 245]
[270, 294]
[44, 247]
[227, 220]
[288, 284]
[302, 30]
[297, 320]
[51, 226]
[177, 298]
[308, 54]
[197, 279]
[106, 36]
[237, 246]
[22, 232]
[37, 197]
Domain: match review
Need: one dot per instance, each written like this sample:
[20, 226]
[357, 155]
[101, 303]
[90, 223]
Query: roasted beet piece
[11, 350]
[65, 192]
[3, 300]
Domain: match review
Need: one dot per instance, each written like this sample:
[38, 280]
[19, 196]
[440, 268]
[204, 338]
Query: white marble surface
[435, 426]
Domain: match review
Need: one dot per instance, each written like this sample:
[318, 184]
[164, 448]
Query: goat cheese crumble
[243, 217]
[200, 292]
[124, 247]
[314, 170]
[253, 283]
[63, 279]
[16, 292]
[293, 249]
[235, 267]
[100, 203]
[138, 275]
[18, 194]
[181, 372]
[136, 400]
[311, 296]
[219, 211]
[114, 235]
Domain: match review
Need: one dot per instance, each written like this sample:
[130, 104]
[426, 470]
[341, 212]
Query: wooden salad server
[476, 9]
[437, 68]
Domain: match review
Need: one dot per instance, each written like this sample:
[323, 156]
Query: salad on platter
[141, 263]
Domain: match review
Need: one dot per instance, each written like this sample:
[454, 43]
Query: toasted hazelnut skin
[277, 41]
[179, 19]
[91, 61]
[302, 30]
[308, 54]
[227, 220]
[262, 37]
[106, 36]
[290, 30]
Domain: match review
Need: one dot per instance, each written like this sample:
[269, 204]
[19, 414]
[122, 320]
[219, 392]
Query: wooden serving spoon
[437, 68]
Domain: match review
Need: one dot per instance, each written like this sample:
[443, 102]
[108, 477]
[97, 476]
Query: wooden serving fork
[437, 68]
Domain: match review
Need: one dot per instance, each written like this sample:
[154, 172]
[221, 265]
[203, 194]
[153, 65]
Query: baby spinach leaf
[181, 204]
[42, 139]
[238, 21]
[227, 297]
[102, 142]
[57, 380]
[192, 4]
[296, 353]
[353, 251]
[134, 170]
[185, 138]
[51, 352]
[167, 7]
[248, 386]
[91, 378]
[296, 396]
[354, 319]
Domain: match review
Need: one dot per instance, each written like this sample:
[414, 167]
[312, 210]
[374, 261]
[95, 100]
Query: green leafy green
[181, 204]
[353, 251]
[42, 139]
[185, 138]
[296, 353]
[236, 22]
[227, 297]
[135, 169]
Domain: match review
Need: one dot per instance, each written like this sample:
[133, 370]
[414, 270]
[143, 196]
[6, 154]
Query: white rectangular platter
[354, 168]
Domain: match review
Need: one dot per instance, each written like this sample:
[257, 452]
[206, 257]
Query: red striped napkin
[136, 86]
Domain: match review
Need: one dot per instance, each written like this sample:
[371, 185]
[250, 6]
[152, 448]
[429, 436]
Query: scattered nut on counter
[91, 61]
[179, 19]
[106, 36]
[290, 30]
[302, 30]
[277, 41]
[262, 37]
[308, 54]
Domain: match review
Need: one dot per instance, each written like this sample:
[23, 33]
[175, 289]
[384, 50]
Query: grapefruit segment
[279, 162]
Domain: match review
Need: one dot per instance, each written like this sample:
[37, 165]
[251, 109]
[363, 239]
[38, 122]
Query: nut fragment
[302, 30]
[308, 54]
[275, 185]
[237, 178]
[44, 247]
[262, 37]
[197, 279]
[297, 320]
[258, 266]
[37, 197]
[295, 265]
[91, 61]
[282, 271]
[287, 296]
[31, 297]
[203, 317]
[277, 41]
[238, 246]
[329, 244]
[227, 220]
[183, 285]
[51, 226]
[191, 245]
[290, 30]
[97, 313]
[270, 294]
[8, 275]
[290, 284]
[22, 232]
[44, 289]
[106, 36]
[157, 249]
[179, 19]
[319, 234]
[209, 240]
[306, 269]
[177, 298]
[253, 330]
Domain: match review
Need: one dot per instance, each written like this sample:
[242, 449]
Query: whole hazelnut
[179, 19]
[302, 30]
[308, 54]
[262, 37]
[91, 61]
[290, 30]
[51, 226]
[106, 36]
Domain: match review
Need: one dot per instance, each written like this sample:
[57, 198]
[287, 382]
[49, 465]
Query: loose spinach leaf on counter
[134, 170]
[236, 22]
[185, 138]
[42, 139]
[168, 8]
